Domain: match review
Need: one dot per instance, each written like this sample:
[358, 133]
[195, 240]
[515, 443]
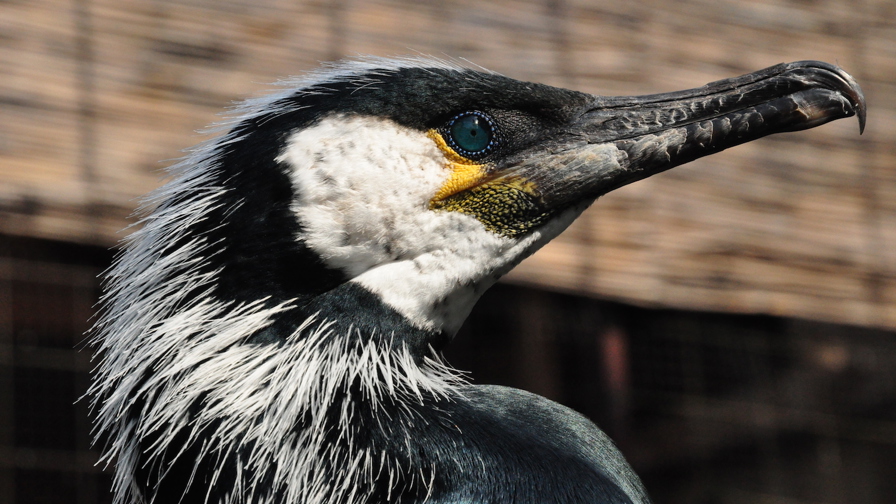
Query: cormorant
[271, 333]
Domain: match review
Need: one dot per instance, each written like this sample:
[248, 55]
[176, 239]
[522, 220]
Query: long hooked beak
[615, 141]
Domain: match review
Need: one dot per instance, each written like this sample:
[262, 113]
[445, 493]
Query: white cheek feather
[361, 184]
[364, 185]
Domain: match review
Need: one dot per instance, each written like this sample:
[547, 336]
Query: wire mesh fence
[47, 294]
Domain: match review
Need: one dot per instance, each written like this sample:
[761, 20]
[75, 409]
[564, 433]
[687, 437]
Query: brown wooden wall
[94, 93]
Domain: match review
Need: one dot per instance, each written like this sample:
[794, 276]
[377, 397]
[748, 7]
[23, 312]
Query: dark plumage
[272, 332]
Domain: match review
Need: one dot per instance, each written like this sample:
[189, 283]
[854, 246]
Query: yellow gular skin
[508, 206]
[465, 174]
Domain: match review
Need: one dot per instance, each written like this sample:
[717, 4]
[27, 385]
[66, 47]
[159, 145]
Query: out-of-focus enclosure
[731, 323]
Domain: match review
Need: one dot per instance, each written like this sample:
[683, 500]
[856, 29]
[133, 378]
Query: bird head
[421, 182]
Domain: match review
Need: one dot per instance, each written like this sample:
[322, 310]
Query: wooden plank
[801, 225]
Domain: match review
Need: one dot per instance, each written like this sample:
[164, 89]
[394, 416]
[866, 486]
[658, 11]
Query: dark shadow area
[708, 407]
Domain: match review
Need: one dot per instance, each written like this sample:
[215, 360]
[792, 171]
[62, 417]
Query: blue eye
[471, 134]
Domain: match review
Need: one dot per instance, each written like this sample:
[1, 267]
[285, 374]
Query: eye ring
[472, 134]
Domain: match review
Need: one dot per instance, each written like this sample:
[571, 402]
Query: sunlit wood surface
[98, 94]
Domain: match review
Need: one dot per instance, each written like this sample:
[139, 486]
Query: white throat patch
[363, 188]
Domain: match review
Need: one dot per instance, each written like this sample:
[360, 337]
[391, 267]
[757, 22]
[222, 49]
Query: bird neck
[193, 387]
[309, 407]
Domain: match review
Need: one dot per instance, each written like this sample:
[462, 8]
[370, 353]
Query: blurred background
[731, 323]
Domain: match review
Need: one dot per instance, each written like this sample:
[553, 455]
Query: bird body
[271, 333]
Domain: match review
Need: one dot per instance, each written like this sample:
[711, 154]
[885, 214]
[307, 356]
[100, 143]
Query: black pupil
[471, 132]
